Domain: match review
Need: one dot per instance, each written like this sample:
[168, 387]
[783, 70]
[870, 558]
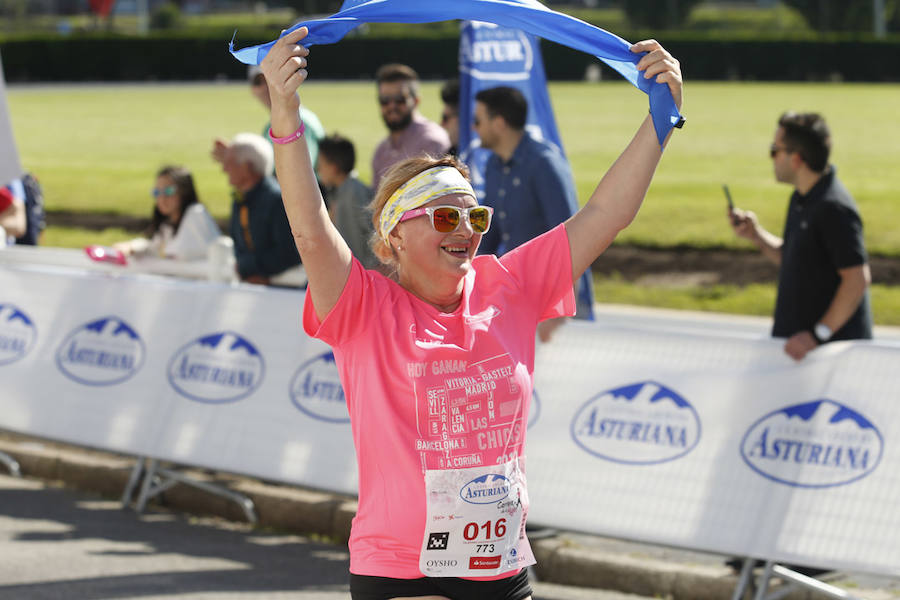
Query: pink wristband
[288, 139]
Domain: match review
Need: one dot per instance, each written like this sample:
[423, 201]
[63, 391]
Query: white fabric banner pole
[703, 440]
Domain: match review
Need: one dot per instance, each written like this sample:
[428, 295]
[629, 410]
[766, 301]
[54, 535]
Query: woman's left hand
[662, 65]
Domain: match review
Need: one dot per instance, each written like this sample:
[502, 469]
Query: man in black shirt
[823, 274]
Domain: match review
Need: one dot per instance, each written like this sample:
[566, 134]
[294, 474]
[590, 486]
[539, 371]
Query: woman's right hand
[285, 69]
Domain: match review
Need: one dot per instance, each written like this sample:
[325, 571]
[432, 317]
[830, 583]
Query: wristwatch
[822, 332]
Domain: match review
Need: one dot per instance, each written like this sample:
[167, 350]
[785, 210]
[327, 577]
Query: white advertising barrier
[707, 441]
[198, 373]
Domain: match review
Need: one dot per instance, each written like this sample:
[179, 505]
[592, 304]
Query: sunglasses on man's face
[446, 219]
[169, 190]
[774, 149]
[398, 99]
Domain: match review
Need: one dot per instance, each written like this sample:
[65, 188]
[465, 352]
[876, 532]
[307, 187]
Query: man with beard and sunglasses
[411, 134]
[436, 357]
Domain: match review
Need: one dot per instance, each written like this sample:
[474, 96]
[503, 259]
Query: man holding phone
[823, 274]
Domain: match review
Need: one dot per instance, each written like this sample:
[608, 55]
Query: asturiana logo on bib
[816, 444]
[219, 367]
[496, 53]
[316, 390]
[486, 489]
[639, 424]
[17, 333]
[101, 352]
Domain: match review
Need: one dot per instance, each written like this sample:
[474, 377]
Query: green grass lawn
[96, 148]
[755, 299]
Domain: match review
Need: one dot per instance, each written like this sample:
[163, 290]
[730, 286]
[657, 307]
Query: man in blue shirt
[528, 182]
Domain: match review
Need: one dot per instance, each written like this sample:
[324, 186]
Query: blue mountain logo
[316, 390]
[17, 333]
[638, 424]
[816, 444]
[105, 351]
[216, 368]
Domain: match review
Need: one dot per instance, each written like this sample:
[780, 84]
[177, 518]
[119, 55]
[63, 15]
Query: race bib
[475, 522]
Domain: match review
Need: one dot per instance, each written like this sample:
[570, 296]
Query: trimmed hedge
[179, 58]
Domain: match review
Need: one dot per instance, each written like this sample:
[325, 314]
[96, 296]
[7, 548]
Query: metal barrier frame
[157, 479]
[793, 579]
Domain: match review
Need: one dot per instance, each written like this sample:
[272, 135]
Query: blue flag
[528, 15]
[491, 56]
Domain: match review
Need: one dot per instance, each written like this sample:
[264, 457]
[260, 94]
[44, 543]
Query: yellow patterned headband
[421, 189]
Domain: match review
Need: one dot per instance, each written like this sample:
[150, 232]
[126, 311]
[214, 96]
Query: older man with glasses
[410, 133]
[823, 267]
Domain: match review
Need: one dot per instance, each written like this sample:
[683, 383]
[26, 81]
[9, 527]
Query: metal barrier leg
[158, 480]
[762, 584]
[11, 464]
[745, 579]
[241, 500]
[149, 486]
[133, 479]
[795, 580]
[812, 583]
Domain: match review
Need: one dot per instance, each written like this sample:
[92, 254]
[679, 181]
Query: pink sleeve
[543, 270]
[343, 323]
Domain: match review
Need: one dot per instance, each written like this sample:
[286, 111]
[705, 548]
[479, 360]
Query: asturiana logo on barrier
[215, 368]
[815, 445]
[316, 390]
[101, 352]
[496, 53]
[486, 489]
[640, 424]
[17, 333]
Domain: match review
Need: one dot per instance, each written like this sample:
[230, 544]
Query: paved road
[58, 544]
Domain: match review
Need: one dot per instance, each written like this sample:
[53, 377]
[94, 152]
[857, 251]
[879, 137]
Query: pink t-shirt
[433, 390]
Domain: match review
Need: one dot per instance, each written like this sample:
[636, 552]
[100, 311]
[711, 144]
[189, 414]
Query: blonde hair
[395, 177]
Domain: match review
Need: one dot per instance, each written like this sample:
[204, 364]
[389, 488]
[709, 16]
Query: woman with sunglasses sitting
[181, 227]
[437, 357]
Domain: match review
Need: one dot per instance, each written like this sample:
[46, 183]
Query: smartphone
[728, 197]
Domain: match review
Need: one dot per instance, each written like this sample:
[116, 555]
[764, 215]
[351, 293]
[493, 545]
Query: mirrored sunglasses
[169, 190]
[446, 219]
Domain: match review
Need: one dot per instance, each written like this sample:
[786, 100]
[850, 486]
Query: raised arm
[619, 195]
[325, 255]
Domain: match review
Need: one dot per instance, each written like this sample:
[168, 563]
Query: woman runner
[437, 359]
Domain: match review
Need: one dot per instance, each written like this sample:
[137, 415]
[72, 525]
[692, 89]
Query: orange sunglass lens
[445, 219]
